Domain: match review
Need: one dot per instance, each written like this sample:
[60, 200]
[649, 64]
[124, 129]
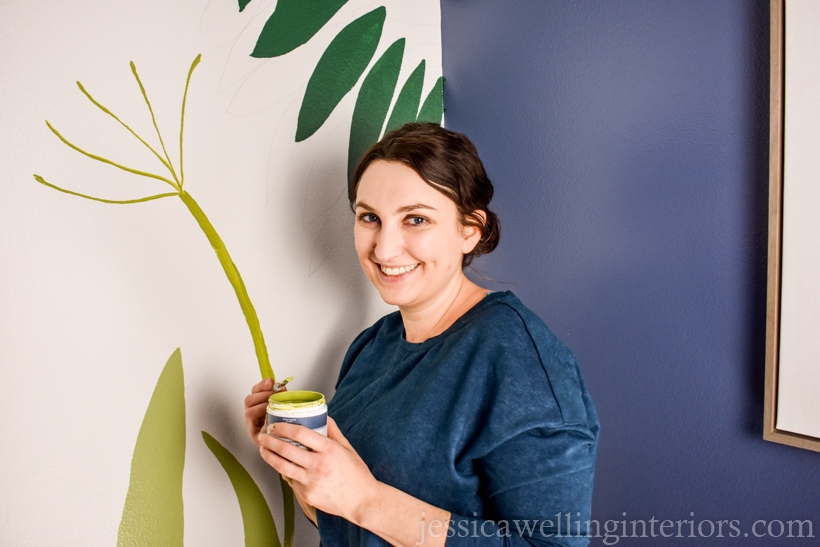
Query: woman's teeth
[398, 271]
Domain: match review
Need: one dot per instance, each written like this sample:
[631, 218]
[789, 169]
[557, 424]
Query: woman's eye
[417, 221]
[368, 218]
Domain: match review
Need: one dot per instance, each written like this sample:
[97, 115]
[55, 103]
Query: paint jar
[307, 408]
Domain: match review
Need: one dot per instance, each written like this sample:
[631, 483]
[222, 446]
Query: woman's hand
[332, 477]
[256, 407]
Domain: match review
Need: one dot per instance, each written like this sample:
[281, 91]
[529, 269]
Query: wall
[628, 145]
[95, 297]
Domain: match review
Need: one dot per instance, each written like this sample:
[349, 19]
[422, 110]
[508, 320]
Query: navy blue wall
[628, 144]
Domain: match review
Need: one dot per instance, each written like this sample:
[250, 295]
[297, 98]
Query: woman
[459, 419]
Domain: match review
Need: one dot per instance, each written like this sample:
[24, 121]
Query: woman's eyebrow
[404, 209]
[413, 207]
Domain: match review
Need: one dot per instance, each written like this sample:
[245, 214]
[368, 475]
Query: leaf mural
[153, 512]
[243, 4]
[293, 23]
[407, 104]
[338, 70]
[372, 103]
[433, 108]
[260, 528]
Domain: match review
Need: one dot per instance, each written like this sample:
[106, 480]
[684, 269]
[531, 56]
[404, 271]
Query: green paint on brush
[260, 528]
[153, 512]
[292, 24]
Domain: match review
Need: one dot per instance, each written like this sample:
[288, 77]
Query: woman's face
[408, 236]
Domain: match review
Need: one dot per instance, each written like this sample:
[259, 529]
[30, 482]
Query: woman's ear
[473, 232]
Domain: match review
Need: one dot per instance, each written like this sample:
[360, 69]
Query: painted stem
[236, 282]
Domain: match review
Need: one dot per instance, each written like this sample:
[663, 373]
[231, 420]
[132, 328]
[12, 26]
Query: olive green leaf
[293, 23]
[338, 70]
[407, 104]
[243, 4]
[373, 102]
[153, 512]
[260, 529]
[433, 108]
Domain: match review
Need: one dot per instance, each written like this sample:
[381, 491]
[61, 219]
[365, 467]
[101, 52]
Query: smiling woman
[459, 419]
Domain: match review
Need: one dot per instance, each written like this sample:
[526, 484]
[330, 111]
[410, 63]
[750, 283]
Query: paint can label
[305, 408]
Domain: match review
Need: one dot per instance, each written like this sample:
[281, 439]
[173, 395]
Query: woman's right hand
[256, 408]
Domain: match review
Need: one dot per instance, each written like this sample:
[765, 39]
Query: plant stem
[236, 282]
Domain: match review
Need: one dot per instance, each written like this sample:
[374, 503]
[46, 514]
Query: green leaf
[433, 108]
[372, 104]
[293, 23]
[153, 506]
[340, 67]
[260, 529]
[243, 4]
[407, 104]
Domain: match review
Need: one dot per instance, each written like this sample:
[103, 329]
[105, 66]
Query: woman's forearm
[401, 519]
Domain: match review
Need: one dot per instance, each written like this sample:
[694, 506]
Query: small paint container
[306, 408]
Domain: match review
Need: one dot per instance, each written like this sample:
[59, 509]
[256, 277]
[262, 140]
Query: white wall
[95, 297]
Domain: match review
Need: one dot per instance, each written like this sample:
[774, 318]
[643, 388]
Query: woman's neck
[437, 316]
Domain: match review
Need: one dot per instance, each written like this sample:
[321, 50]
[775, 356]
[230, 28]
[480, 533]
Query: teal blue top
[489, 420]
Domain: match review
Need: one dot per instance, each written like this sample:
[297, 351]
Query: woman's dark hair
[447, 161]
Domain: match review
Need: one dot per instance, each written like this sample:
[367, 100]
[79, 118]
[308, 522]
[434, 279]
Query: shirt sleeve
[542, 499]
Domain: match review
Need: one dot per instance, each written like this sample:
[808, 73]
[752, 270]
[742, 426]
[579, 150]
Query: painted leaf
[433, 108]
[372, 104]
[293, 23]
[153, 506]
[260, 529]
[243, 4]
[340, 67]
[407, 104]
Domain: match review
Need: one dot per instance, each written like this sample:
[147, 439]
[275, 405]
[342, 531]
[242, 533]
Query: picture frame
[780, 336]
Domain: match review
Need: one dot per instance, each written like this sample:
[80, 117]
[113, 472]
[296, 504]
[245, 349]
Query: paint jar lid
[291, 400]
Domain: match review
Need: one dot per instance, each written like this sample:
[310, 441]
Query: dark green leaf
[153, 505]
[340, 67]
[372, 103]
[293, 23]
[243, 3]
[260, 529]
[433, 108]
[407, 104]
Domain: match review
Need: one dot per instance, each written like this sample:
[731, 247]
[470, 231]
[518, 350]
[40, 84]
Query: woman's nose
[389, 244]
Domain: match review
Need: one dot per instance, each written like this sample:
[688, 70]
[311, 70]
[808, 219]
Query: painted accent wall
[628, 143]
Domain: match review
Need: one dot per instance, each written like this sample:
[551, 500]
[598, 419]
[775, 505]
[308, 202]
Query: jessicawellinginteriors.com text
[611, 531]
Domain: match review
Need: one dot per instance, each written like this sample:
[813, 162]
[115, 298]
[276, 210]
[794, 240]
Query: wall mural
[153, 507]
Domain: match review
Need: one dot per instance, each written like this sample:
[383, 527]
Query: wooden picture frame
[777, 145]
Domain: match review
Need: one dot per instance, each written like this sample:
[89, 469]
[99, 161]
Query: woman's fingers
[256, 407]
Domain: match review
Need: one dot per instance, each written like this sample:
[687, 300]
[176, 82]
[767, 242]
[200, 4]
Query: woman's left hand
[332, 478]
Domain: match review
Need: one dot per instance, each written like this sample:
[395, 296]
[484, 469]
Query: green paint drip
[260, 528]
[292, 24]
[372, 104]
[433, 108]
[153, 513]
[338, 70]
[407, 104]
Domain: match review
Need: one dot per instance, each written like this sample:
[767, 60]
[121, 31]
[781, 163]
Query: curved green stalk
[182, 118]
[106, 160]
[99, 105]
[236, 282]
[43, 181]
[154, 119]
